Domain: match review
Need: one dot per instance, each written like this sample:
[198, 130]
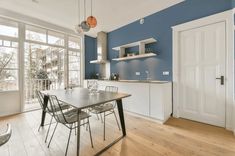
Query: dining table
[82, 98]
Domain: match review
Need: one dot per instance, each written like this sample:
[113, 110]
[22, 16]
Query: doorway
[203, 70]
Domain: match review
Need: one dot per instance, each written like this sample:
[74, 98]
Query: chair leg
[89, 126]
[52, 134]
[101, 118]
[116, 119]
[49, 129]
[68, 140]
[39, 128]
[97, 117]
[75, 128]
[104, 126]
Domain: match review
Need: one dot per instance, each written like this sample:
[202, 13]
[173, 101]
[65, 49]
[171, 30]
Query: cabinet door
[139, 100]
[156, 101]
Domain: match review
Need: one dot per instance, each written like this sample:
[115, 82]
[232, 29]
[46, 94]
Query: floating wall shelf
[135, 57]
[141, 44]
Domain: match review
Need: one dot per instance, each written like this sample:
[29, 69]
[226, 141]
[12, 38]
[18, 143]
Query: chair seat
[71, 116]
[63, 107]
[102, 108]
[4, 138]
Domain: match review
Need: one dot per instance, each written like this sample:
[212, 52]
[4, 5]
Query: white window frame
[14, 39]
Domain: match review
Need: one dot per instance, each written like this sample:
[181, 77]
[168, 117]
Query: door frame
[228, 18]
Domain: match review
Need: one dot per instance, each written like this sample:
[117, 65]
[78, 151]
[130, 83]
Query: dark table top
[80, 97]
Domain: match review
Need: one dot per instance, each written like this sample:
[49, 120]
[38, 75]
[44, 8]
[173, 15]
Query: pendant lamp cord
[91, 7]
[84, 10]
[78, 5]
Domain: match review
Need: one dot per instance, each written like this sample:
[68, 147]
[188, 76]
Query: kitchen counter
[134, 81]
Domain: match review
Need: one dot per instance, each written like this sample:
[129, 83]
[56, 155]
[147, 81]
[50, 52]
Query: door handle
[221, 78]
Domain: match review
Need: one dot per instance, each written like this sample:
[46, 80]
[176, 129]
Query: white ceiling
[111, 14]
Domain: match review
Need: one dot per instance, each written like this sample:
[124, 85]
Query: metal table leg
[78, 133]
[121, 116]
[45, 103]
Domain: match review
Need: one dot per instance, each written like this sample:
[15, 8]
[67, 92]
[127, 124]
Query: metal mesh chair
[68, 119]
[48, 109]
[4, 138]
[107, 108]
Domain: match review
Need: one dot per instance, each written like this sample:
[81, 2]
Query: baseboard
[145, 117]
[10, 114]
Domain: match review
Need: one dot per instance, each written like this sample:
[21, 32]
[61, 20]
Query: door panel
[202, 60]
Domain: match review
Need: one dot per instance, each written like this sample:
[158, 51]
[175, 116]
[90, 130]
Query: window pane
[74, 68]
[8, 80]
[35, 34]
[7, 43]
[44, 65]
[74, 42]
[8, 28]
[55, 38]
[8, 58]
[74, 78]
[14, 44]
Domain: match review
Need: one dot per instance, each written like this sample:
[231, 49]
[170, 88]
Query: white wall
[9, 103]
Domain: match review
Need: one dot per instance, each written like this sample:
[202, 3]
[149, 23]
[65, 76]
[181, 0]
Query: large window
[49, 56]
[49, 62]
[8, 55]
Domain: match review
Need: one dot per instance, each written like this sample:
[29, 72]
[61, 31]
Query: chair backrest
[111, 89]
[56, 109]
[40, 98]
[4, 138]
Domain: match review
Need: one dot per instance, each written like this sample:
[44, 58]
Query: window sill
[8, 91]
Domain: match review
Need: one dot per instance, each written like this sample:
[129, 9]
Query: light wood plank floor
[178, 137]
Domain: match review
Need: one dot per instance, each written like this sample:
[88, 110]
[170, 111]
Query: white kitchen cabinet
[148, 99]
[160, 101]
[138, 102]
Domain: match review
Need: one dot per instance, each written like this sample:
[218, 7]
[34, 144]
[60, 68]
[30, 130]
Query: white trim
[82, 54]
[226, 17]
[17, 17]
[21, 53]
[145, 117]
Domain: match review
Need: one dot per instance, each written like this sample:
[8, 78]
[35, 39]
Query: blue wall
[233, 3]
[90, 54]
[158, 26]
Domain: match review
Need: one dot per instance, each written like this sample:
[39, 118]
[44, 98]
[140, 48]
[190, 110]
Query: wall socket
[137, 73]
[166, 73]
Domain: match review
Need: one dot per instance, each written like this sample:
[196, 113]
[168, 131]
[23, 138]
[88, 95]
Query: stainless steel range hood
[101, 48]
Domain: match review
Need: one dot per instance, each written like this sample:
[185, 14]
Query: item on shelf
[148, 50]
[114, 76]
[131, 54]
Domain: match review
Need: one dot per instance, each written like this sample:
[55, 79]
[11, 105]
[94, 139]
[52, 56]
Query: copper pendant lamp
[91, 20]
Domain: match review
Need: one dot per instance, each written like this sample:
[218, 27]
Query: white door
[202, 65]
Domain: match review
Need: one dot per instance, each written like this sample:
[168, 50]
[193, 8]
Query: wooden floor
[178, 137]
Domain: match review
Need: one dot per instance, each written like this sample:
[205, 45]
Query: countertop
[134, 81]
